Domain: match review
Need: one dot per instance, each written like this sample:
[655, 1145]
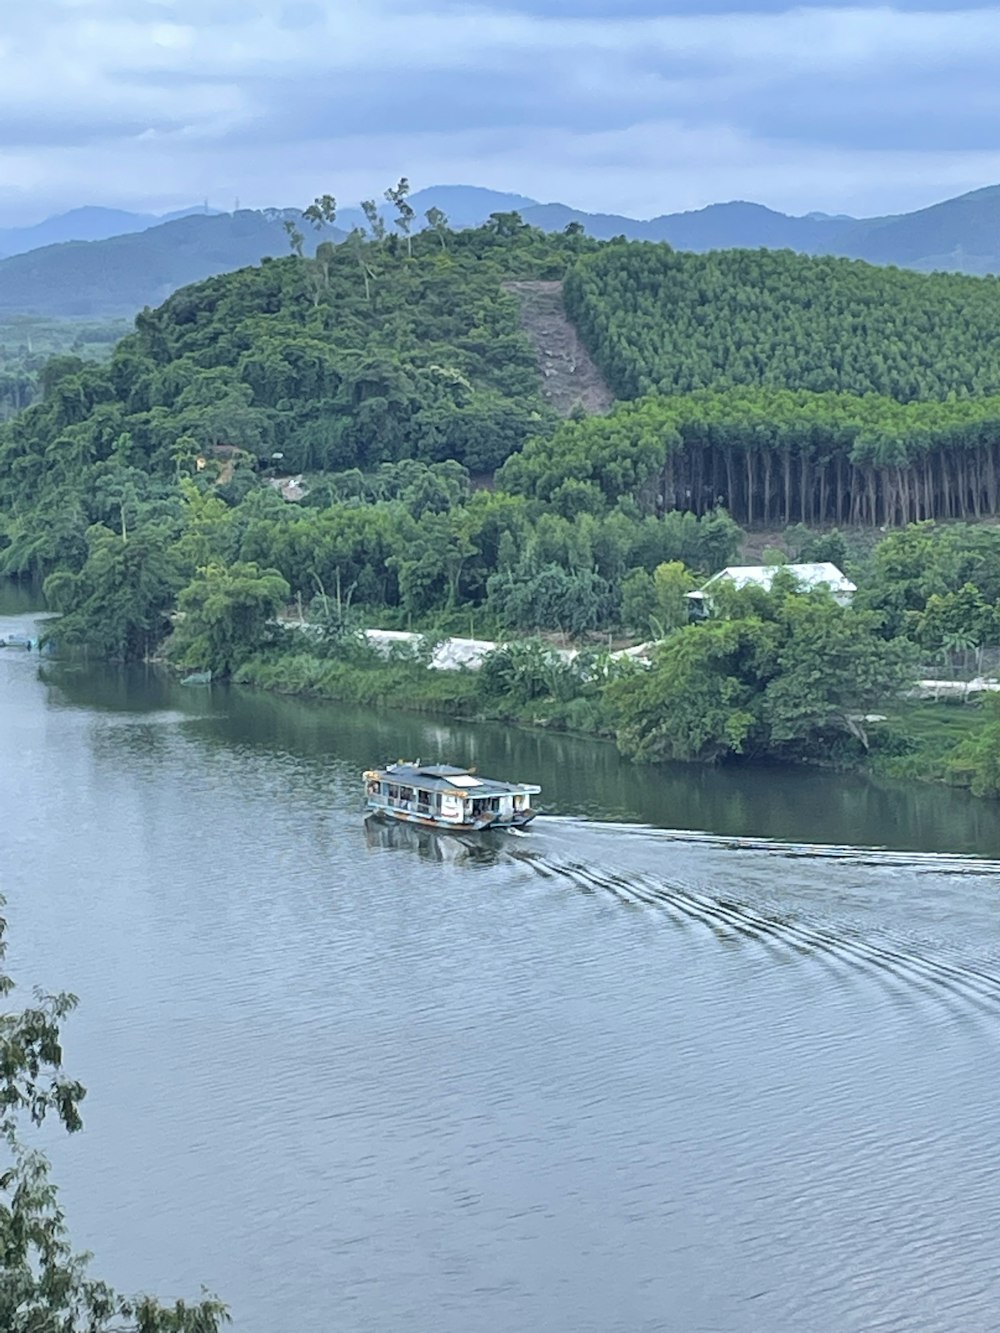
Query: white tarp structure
[453, 654]
[449, 654]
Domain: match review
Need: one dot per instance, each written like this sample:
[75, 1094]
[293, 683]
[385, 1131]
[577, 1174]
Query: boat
[18, 639]
[441, 796]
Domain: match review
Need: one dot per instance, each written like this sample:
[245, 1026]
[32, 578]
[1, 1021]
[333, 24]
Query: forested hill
[775, 385]
[358, 357]
[787, 388]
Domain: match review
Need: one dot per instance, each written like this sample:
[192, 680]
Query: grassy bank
[919, 740]
[371, 684]
[558, 702]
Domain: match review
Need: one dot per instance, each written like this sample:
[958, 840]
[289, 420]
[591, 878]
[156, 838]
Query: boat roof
[446, 777]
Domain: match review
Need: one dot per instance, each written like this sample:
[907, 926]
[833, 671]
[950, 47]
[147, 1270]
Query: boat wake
[888, 962]
[948, 863]
[848, 948]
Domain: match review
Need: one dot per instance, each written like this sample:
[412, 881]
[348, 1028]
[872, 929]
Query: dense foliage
[780, 674]
[409, 541]
[975, 762]
[27, 344]
[393, 371]
[821, 390]
[660, 321]
[354, 358]
[774, 456]
[937, 585]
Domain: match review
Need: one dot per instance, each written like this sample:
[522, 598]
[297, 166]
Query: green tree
[638, 600]
[396, 196]
[295, 238]
[958, 621]
[117, 605]
[701, 697]
[322, 212]
[227, 614]
[782, 674]
[671, 581]
[832, 667]
[438, 223]
[376, 223]
[45, 1286]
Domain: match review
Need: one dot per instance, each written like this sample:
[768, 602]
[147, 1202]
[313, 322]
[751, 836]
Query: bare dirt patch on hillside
[570, 378]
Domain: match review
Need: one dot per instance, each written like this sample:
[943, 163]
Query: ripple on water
[596, 1079]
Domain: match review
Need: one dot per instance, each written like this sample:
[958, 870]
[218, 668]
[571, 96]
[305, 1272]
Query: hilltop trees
[396, 196]
[660, 321]
[425, 360]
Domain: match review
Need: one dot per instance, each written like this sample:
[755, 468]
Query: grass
[920, 736]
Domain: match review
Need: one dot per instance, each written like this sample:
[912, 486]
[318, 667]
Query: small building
[821, 573]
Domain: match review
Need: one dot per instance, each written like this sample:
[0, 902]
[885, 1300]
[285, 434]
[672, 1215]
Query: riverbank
[915, 740]
[463, 695]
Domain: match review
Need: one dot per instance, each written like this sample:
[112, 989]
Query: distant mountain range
[85, 224]
[120, 275]
[100, 262]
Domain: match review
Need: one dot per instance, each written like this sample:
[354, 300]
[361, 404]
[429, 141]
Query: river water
[703, 1051]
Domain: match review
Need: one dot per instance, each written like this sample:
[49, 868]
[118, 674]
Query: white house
[819, 574]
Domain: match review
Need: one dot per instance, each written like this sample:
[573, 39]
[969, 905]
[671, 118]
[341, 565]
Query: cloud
[626, 105]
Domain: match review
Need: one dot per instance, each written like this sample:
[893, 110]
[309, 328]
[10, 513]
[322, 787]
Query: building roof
[809, 575]
[445, 777]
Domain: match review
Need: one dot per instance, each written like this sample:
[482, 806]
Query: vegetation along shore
[452, 477]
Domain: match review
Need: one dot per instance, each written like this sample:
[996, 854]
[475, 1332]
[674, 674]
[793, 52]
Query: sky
[638, 107]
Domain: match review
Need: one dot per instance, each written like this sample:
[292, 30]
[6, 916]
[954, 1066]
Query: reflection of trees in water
[332, 744]
[136, 689]
[20, 598]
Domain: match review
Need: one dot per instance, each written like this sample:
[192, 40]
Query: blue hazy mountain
[84, 224]
[92, 274]
[120, 275]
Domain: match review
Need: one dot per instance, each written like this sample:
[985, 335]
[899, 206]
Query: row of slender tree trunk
[764, 487]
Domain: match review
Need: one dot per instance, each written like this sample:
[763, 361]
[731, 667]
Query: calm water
[690, 1056]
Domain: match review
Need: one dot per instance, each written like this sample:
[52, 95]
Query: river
[705, 1050]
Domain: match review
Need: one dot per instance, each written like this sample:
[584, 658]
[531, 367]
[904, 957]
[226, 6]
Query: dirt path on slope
[569, 376]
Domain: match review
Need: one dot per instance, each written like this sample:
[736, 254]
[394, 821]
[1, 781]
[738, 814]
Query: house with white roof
[821, 573]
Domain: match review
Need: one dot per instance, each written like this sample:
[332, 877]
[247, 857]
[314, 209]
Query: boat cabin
[447, 797]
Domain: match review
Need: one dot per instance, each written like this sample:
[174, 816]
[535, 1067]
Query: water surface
[691, 1055]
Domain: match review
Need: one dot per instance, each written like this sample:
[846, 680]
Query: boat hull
[518, 820]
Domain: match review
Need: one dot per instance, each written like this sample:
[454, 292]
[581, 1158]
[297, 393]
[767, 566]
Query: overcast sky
[632, 106]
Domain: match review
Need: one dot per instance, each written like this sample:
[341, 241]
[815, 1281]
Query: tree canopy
[780, 674]
[660, 321]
